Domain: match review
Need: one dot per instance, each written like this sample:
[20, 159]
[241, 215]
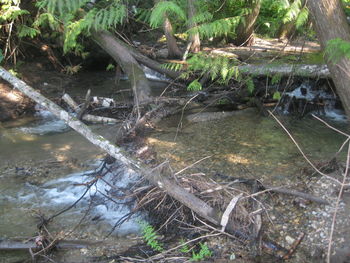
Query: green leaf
[194, 86]
[276, 95]
[110, 67]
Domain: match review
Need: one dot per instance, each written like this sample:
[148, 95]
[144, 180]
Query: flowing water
[41, 160]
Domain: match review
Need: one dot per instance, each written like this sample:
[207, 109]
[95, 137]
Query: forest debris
[230, 207]
[294, 247]
[36, 244]
[87, 117]
[84, 107]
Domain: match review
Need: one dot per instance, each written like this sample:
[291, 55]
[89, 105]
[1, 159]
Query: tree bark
[330, 23]
[194, 37]
[245, 29]
[286, 30]
[173, 49]
[139, 82]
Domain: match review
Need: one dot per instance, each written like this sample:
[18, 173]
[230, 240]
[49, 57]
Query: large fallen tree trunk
[152, 175]
[311, 71]
[139, 82]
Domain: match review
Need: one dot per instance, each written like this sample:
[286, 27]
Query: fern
[292, 12]
[143, 15]
[302, 18]
[165, 7]
[202, 17]
[26, 31]
[172, 66]
[220, 27]
[220, 67]
[203, 253]
[250, 84]
[109, 17]
[194, 86]
[150, 236]
[46, 19]
[337, 48]
[12, 13]
[61, 6]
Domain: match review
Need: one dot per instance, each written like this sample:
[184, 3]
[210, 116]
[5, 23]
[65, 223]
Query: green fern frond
[221, 68]
[292, 12]
[165, 7]
[202, 17]
[11, 13]
[109, 17]
[194, 86]
[172, 66]
[150, 236]
[61, 6]
[220, 27]
[337, 48]
[46, 19]
[26, 31]
[302, 18]
[143, 15]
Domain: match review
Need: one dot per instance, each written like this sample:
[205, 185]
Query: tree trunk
[173, 49]
[330, 23]
[194, 37]
[245, 29]
[139, 82]
[286, 30]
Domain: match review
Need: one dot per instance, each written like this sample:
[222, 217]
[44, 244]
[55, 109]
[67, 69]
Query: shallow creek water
[245, 145]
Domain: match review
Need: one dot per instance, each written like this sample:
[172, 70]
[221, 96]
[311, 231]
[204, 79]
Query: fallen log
[17, 244]
[87, 117]
[311, 71]
[153, 176]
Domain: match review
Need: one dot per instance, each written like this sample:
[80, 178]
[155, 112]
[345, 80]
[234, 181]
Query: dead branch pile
[237, 207]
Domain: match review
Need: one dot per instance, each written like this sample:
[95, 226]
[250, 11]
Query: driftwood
[85, 105]
[87, 117]
[15, 244]
[311, 71]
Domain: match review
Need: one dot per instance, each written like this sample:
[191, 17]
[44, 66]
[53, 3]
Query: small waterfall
[305, 99]
[105, 198]
[46, 123]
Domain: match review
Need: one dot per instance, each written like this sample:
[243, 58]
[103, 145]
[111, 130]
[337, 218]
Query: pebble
[290, 240]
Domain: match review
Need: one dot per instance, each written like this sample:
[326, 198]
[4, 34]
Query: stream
[41, 160]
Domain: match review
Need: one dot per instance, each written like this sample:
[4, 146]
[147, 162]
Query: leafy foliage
[61, 6]
[250, 84]
[203, 253]
[150, 236]
[337, 48]
[276, 78]
[79, 17]
[194, 86]
[165, 7]
[26, 31]
[220, 67]
[220, 27]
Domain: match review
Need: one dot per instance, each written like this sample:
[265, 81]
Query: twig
[182, 115]
[301, 151]
[188, 167]
[345, 174]
[226, 215]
